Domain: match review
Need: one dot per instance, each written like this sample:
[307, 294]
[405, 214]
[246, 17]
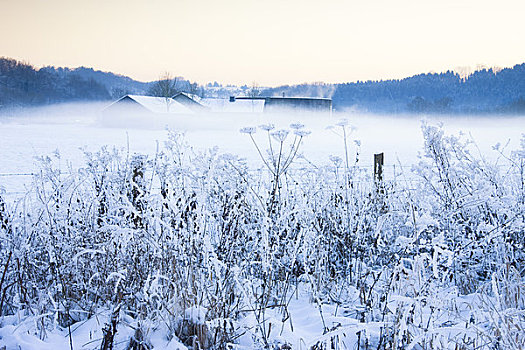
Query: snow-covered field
[188, 249]
[69, 129]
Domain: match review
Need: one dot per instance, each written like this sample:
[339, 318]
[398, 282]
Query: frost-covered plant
[470, 201]
[197, 243]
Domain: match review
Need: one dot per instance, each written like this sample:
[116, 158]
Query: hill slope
[485, 91]
[21, 84]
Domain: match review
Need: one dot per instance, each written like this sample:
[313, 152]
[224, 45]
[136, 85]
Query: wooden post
[378, 166]
[138, 188]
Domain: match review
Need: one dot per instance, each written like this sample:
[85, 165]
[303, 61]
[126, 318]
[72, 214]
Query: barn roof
[190, 100]
[156, 104]
[160, 105]
[194, 97]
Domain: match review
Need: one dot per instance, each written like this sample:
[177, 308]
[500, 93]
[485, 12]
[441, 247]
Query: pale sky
[270, 42]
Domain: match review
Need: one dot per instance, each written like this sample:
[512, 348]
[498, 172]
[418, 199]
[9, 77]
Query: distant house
[135, 105]
[292, 104]
[191, 101]
[259, 104]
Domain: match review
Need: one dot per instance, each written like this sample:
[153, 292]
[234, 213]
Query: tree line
[21, 85]
[484, 91]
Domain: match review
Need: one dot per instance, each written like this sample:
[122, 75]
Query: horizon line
[463, 71]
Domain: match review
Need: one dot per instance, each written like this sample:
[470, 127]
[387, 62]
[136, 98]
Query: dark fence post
[138, 189]
[378, 166]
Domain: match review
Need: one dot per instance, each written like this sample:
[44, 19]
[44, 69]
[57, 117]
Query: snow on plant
[201, 246]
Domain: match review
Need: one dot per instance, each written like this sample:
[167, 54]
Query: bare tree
[165, 87]
[255, 90]
[193, 88]
[118, 92]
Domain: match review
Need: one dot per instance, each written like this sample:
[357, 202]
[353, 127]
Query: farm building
[191, 101]
[135, 105]
[185, 104]
[259, 104]
[292, 104]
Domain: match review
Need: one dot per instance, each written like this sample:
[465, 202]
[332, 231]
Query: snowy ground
[307, 318]
[68, 128]
[309, 325]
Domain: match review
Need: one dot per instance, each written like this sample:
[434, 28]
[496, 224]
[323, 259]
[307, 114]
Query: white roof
[238, 106]
[194, 97]
[160, 104]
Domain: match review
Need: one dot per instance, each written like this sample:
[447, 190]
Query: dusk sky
[270, 42]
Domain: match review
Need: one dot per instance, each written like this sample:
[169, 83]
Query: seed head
[267, 127]
[248, 130]
[280, 135]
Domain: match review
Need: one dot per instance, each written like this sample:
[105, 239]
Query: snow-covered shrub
[200, 245]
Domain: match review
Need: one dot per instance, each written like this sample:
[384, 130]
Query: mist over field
[289, 241]
[68, 128]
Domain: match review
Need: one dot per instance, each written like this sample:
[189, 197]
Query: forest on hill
[23, 85]
[486, 91]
